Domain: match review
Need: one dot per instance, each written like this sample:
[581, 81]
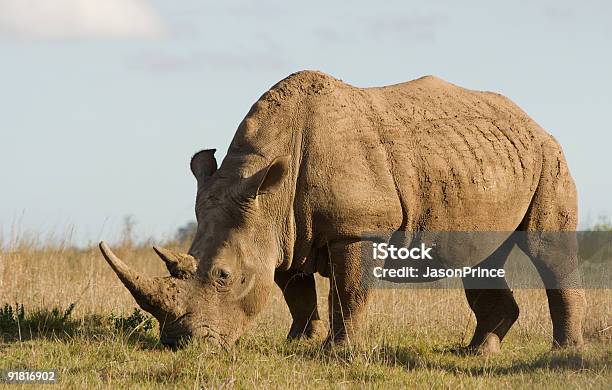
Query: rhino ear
[203, 164]
[269, 179]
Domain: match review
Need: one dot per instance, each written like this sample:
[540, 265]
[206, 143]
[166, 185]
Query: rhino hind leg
[556, 260]
[299, 291]
[493, 305]
[550, 242]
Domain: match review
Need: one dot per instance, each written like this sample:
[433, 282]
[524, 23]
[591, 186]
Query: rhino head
[216, 289]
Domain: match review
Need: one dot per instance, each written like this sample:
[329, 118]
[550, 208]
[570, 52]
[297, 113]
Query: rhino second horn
[146, 291]
[180, 265]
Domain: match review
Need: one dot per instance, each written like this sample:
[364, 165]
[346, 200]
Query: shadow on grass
[17, 325]
[506, 363]
[500, 365]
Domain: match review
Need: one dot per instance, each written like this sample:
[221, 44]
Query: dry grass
[409, 334]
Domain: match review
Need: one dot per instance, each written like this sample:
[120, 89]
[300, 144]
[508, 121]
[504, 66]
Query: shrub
[137, 322]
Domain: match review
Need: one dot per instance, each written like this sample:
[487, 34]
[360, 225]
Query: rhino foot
[313, 329]
[491, 346]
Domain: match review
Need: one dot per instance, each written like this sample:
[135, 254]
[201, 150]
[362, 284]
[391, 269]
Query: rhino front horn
[180, 265]
[148, 292]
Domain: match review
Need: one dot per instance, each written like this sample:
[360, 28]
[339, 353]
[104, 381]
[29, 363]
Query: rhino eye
[221, 276]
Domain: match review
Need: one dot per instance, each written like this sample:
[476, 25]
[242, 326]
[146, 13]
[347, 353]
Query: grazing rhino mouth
[180, 338]
[208, 334]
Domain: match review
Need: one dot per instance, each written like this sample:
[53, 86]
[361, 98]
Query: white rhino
[317, 162]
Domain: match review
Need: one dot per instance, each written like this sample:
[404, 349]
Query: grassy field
[94, 338]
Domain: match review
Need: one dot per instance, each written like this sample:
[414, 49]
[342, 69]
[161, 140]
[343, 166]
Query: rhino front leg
[300, 293]
[348, 297]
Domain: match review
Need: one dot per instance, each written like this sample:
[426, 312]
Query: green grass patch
[123, 351]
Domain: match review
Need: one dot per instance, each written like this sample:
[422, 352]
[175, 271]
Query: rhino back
[464, 160]
[421, 155]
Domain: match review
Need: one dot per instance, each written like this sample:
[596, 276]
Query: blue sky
[102, 104]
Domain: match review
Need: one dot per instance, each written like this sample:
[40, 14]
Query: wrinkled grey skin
[316, 163]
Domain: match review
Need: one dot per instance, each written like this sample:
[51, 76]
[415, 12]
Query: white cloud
[70, 19]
